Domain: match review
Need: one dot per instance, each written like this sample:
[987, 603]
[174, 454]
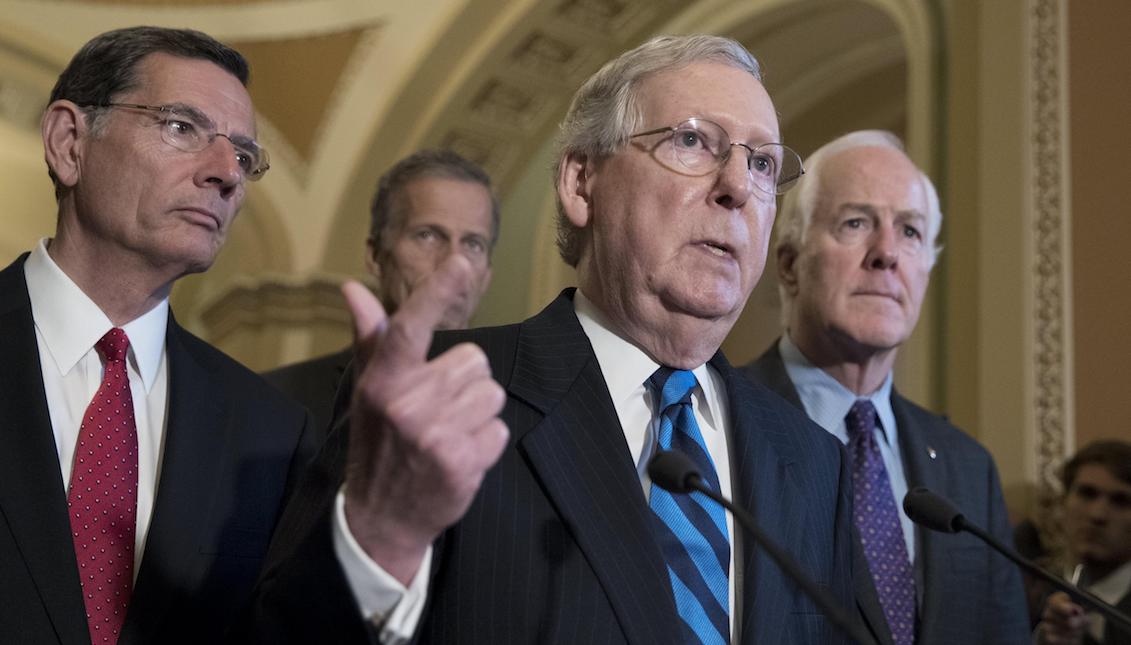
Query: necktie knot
[860, 420]
[113, 345]
[672, 386]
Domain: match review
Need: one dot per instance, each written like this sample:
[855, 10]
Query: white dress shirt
[67, 326]
[1110, 589]
[396, 610]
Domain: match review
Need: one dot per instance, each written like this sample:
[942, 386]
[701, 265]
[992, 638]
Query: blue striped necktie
[691, 529]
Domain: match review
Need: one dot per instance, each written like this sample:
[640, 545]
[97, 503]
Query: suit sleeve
[1006, 594]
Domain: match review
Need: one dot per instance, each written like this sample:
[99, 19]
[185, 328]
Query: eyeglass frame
[205, 123]
[750, 151]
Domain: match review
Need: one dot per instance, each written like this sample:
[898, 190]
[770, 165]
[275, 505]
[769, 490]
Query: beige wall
[1100, 104]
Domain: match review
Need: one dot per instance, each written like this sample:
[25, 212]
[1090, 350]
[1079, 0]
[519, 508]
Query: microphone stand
[823, 599]
[1079, 595]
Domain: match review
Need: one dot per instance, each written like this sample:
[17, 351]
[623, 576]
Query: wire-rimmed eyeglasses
[698, 147]
[190, 130]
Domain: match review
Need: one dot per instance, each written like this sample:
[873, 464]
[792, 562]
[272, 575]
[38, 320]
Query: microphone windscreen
[932, 511]
[671, 470]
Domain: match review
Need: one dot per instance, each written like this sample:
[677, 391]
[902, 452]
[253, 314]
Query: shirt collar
[827, 401]
[1114, 585]
[70, 323]
[625, 366]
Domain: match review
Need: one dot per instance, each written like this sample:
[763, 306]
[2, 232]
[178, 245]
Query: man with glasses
[498, 493]
[142, 471]
[856, 243]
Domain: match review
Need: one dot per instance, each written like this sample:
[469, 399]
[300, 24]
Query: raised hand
[422, 432]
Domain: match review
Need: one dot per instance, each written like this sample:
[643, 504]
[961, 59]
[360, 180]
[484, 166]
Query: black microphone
[676, 473]
[938, 514]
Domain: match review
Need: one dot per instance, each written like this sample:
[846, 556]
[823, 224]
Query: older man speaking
[497, 493]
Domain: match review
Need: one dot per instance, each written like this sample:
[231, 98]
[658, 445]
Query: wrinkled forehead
[211, 90]
[879, 176]
[727, 95]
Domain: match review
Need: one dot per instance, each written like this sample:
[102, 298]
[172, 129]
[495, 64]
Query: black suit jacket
[313, 383]
[230, 442]
[557, 546]
[970, 594]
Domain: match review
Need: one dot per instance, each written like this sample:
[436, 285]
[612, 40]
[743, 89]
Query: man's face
[1097, 517]
[859, 277]
[136, 192]
[672, 258]
[437, 217]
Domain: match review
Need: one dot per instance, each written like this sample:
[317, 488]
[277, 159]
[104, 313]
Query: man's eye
[245, 161]
[689, 139]
[763, 165]
[912, 233]
[181, 128]
[854, 223]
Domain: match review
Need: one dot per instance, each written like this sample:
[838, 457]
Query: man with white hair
[854, 255]
[499, 490]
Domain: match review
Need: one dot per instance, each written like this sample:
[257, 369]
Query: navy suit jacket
[970, 594]
[230, 442]
[313, 383]
[557, 546]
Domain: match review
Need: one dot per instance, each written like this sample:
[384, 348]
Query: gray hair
[605, 111]
[796, 213]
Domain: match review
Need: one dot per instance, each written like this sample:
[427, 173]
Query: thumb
[369, 317]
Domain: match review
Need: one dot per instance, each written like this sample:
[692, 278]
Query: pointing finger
[369, 319]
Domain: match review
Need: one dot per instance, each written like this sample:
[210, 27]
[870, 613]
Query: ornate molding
[274, 301]
[1051, 268]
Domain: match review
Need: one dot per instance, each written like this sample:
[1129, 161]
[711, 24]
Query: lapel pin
[931, 452]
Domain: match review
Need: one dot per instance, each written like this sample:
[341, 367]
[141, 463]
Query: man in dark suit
[428, 205]
[855, 248]
[142, 471]
[1097, 528]
[498, 493]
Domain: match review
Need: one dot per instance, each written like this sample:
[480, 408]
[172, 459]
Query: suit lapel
[579, 454]
[921, 469]
[769, 369]
[762, 455]
[191, 464]
[33, 498]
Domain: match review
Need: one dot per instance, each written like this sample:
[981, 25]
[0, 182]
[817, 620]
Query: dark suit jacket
[313, 383]
[970, 594]
[557, 546]
[230, 441]
[1113, 635]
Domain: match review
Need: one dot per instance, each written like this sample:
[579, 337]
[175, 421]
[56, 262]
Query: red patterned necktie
[102, 500]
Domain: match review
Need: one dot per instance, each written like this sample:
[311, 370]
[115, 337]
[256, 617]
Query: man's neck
[861, 371]
[122, 291]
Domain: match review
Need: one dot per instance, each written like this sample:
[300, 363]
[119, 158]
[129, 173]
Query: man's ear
[371, 264]
[65, 132]
[787, 267]
[574, 175]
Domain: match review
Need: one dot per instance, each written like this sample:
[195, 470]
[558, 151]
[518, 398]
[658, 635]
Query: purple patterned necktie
[877, 522]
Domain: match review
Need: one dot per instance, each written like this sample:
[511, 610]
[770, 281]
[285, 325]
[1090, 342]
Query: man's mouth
[717, 248]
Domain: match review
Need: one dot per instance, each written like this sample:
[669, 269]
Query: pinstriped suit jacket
[969, 593]
[557, 546]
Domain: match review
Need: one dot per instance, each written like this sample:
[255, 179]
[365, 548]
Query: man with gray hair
[499, 493]
[429, 205]
[855, 248]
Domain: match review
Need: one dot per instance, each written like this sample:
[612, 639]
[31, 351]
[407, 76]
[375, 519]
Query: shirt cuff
[386, 603]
